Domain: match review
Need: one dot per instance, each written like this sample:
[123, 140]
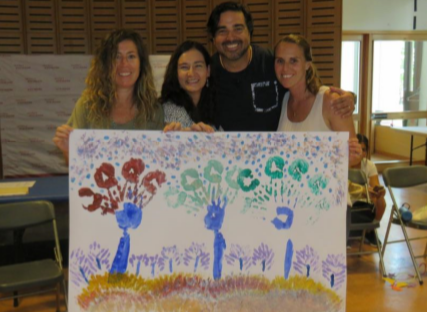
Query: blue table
[54, 189]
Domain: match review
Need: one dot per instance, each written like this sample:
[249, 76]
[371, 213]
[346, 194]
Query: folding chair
[30, 276]
[359, 177]
[399, 178]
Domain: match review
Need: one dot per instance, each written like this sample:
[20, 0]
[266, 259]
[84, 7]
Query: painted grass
[180, 292]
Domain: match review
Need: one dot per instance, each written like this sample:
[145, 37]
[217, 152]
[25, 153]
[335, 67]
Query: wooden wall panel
[41, 26]
[135, 14]
[104, 17]
[199, 36]
[262, 38]
[11, 27]
[216, 2]
[11, 43]
[164, 43]
[77, 26]
[322, 13]
[74, 33]
[326, 50]
[165, 27]
[261, 11]
[289, 18]
[261, 14]
[41, 43]
[324, 33]
[195, 14]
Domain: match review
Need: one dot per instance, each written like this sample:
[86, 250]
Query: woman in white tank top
[307, 104]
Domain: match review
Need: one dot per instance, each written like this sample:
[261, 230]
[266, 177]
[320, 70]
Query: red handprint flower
[139, 194]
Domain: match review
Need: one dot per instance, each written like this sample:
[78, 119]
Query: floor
[366, 290]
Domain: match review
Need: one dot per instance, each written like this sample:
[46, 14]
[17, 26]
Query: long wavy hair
[312, 79]
[101, 86]
[171, 90]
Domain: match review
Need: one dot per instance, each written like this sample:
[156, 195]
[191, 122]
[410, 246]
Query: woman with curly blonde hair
[120, 91]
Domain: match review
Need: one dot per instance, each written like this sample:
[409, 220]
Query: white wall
[383, 14]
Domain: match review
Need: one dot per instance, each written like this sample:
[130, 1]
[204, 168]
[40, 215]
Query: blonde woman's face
[127, 65]
[290, 65]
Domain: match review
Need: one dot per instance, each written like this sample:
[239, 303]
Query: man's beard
[234, 56]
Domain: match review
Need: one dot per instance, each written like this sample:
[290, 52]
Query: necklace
[304, 103]
[249, 61]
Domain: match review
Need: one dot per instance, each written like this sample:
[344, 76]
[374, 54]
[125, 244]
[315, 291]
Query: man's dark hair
[224, 7]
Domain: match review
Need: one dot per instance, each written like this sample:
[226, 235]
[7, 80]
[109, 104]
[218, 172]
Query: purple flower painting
[196, 256]
[263, 256]
[334, 270]
[307, 261]
[239, 256]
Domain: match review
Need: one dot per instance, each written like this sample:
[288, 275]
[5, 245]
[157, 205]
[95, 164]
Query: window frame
[365, 122]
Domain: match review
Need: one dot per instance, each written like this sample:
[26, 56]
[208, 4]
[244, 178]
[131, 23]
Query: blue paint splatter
[288, 257]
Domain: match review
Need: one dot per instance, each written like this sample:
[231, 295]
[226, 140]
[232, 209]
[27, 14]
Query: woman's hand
[378, 191]
[343, 105]
[201, 127]
[354, 152]
[173, 126]
[62, 138]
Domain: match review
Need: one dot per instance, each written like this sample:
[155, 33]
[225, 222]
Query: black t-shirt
[249, 100]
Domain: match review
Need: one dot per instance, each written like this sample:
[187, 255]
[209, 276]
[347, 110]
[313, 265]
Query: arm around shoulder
[336, 122]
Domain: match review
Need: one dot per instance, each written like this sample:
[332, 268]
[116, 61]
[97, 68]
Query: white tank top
[314, 120]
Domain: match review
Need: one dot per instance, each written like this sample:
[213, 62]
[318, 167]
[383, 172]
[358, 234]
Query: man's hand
[343, 105]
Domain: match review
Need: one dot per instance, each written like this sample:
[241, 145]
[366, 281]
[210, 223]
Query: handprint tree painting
[215, 222]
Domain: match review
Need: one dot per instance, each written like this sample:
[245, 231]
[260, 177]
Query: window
[398, 70]
[350, 68]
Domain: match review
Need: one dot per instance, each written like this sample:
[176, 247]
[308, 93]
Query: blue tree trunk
[288, 257]
[196, 264]
[121, 259]
[219, 246]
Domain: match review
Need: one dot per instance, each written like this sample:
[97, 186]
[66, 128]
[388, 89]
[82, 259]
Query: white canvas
[214, 222]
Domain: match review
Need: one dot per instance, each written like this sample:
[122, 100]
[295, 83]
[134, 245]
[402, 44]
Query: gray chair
[403, 177]
[30, 278]
[359, 177]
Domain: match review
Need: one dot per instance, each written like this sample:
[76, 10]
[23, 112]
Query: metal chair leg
[382, 265]
[65, 294]
[387, 231]
[411, 252]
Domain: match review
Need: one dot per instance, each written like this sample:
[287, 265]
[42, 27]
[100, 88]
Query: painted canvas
[185, 221]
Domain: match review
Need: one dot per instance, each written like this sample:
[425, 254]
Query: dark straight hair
[215, 16]
[204, 111]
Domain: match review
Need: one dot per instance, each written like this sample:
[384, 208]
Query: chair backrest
[405, 176]
[359, 177]
[15, 216]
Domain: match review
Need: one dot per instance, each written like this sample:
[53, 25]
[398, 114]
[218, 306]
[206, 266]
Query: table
[54, 189]
[414, 131]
